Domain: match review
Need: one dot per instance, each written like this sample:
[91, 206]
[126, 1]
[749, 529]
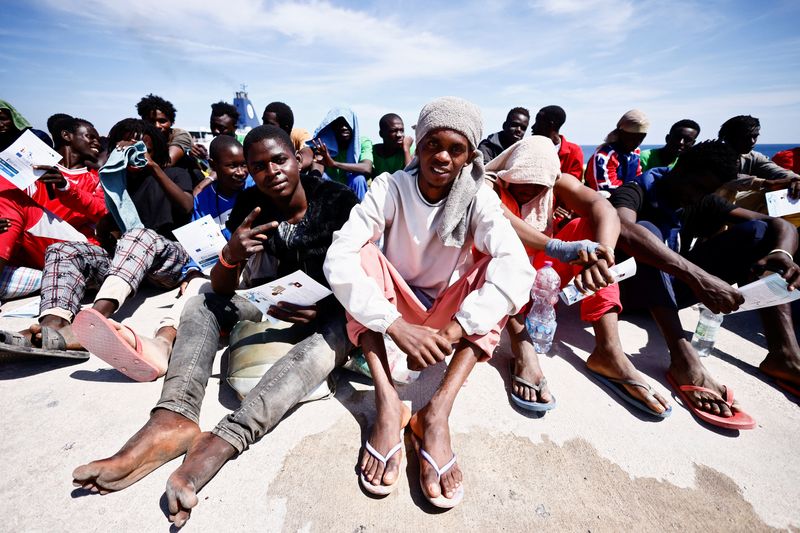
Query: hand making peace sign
[247, 240]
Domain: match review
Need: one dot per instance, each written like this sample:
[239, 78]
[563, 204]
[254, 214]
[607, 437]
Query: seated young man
[682, 135]
[548, 123]
[514, 128]
[117, 344]
[161, 114]
[162, 201]
[529, 182]
[424, 290]
[733, 245]
[13, 124]
[345, 156]
[757, 173]
[286, 223]
[281, 115]
[65, 204]
[395, 152]
[616, 161]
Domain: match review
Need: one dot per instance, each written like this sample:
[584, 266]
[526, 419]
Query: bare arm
[175, 154]
[175, 194]
[784, 237]
[244, 242]
[529, 236]
[362, 167]
[636, 241]
[589, 204]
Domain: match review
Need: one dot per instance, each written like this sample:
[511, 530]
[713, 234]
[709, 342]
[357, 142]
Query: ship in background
[248, 119]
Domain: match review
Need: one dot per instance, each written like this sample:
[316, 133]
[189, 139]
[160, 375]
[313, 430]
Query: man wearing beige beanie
[616, 161]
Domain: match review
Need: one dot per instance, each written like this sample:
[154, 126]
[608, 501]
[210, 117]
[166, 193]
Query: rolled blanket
[113, 177]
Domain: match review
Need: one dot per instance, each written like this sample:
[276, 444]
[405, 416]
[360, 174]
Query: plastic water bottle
[706, 332]
[541, 320]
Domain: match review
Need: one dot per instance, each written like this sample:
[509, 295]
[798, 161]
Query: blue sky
[707, 60]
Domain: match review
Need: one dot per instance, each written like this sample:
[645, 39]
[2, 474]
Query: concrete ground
[590, 464]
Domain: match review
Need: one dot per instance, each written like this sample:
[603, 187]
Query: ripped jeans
[323, 347]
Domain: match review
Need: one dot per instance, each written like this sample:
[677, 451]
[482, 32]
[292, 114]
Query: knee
[59, 251]
[138, 235]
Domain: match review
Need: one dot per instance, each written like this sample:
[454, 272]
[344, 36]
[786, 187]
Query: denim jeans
[288, 381]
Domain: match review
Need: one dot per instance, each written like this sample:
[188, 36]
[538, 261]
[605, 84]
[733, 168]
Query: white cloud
[339, 44]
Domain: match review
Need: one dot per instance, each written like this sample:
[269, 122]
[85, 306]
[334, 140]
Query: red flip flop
[739, 420]
[98, 335]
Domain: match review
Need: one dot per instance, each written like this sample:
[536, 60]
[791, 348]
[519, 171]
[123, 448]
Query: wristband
[225, 263]
[782, 251]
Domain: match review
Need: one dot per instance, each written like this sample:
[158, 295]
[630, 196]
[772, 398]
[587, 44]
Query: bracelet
[225, 263]
[781, 250]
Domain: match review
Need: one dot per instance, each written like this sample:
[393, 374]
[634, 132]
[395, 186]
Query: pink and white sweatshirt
[395, 212]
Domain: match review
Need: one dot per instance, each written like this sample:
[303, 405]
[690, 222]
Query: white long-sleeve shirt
[395, 209]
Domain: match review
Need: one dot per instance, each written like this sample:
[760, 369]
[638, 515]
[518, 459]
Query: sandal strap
[12, 338]
[380, 457]
[52, 339]
[631, 382]
[526, 383]
[728, 399]
[432, 462]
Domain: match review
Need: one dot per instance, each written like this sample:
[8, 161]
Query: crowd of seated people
[432, 241]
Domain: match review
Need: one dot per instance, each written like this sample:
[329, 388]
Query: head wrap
[19, 121]
[634, 121]
[457, 114]
[530, 161]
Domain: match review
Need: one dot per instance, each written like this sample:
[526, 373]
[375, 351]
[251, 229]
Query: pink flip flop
[740, 420]
[98, 335]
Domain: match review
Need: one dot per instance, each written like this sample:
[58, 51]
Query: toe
[180, 518]
[392, 469]
[377, 475]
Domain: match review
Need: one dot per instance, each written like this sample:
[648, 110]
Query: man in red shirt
[63, 205]
[70, 190]
[548, 122]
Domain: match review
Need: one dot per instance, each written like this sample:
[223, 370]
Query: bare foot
[392, 418]
[781, 367]
[432, 433]
[206, 455]
[618, 366]
[694, 373]
[526, 363]
[164, 437]
[526, 366]
[156, 350]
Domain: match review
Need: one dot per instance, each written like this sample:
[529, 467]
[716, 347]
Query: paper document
[202, 239]
[28, 310]
[296, 288]
[766, 292]
[570, 294]
[16, 161]
[779, 204]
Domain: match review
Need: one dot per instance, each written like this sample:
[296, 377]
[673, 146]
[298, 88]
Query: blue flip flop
[524, 404]
[617, 387]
